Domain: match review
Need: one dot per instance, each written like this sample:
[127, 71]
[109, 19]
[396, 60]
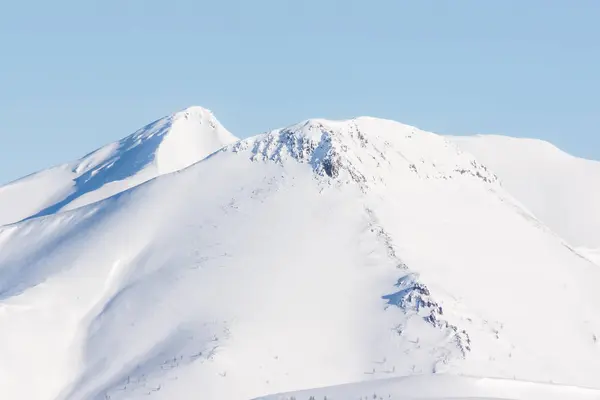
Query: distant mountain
[320, 254]
[561, 190]
[166, 145]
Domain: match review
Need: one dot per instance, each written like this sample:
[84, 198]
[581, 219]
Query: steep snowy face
[323, 253]
[166, 145]
[193, 134]
[561, 190]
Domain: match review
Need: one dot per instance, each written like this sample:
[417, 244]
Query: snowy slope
[440, 387]
[166, 145]
[591, 254]
[561, 190]
[324, 253]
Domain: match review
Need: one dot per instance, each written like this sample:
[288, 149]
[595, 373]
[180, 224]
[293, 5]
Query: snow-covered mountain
[324, 253]
[561, 190]
[166, 145]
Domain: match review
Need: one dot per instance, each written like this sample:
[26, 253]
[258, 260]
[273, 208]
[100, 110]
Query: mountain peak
[365, 150]
[196, 109]
[166, 145]
[197, 113]
[193, 134]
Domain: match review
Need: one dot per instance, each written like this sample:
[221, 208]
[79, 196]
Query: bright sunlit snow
[442, 387]
[563, 191]
[166, 145]
[321, 254]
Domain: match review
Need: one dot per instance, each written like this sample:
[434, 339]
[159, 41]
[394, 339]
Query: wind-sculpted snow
[166, 145]
[323, 253]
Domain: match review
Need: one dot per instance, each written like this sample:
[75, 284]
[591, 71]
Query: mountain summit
[319, 254]
[163, 146]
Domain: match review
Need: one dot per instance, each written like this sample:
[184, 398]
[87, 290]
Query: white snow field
[321, 254]
[591, 254]
[166, 145]
[442, 387]
[561, 190]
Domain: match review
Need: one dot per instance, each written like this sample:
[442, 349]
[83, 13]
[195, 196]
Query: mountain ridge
[314, 255]
[558, 188]
[163, 146]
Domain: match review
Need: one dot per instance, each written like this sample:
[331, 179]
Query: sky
[75, 75]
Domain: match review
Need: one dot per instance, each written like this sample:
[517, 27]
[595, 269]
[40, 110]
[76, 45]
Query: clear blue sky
[75, 75]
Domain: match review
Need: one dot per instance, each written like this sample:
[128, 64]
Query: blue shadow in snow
[133, 153]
